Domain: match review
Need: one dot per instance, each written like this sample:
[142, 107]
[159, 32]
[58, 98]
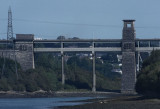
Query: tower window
[129, 25]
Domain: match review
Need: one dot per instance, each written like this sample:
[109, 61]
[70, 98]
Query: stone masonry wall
[24, 54]
[128, 69]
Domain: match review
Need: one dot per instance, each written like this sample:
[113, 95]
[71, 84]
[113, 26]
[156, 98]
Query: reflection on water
[39, 103]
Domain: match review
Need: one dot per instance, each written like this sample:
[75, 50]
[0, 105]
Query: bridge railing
[77, 44]
[47, 45]
[148, 43]
[4, 46]
[108, 44]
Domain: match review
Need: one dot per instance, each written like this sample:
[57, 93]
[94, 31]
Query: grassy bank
[124, 102]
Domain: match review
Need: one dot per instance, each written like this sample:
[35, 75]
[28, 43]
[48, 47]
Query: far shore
[44, 94]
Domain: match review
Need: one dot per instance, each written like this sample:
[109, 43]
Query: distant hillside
[47, 75]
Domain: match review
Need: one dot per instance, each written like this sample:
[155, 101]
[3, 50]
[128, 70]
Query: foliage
[148, 80]
[79, 74]
[110, 57]
[61, 38]
[30, 80]
[47, 75]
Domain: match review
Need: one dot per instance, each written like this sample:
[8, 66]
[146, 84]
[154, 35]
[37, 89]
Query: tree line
[47, 75]
[148, 79]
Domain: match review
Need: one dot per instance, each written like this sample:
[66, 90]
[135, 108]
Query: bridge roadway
[140, 47]
[144, 47]
[100, 49]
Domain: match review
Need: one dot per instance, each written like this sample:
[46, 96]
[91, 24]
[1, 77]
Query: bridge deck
[103, 49]
[75, 49]
[143, 45]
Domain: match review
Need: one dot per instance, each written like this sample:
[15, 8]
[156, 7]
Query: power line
[77, 24]
[66, 23]
[148, 27]
[80, 24]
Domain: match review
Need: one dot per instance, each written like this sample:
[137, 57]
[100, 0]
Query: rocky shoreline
[110, 100]
[121, 102]
[44, 94]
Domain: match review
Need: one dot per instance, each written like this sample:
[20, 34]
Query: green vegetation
[79, 74]
[30, 80]
[47, 75]
[148, 80]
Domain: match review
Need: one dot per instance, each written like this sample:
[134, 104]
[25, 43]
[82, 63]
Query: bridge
[129, 46]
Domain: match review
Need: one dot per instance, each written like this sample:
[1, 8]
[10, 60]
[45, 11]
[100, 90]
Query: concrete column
[62, 59]
[63, 75]
[33, 56]
[149, 53]
[94, 74]
[94, 70]
[138, 57]
[33, 61]
[149, 43]
[138, 61]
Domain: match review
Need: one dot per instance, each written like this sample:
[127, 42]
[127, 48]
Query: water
[39, 103]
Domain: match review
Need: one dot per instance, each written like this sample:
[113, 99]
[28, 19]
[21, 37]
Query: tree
[148, 80]
[61, 38]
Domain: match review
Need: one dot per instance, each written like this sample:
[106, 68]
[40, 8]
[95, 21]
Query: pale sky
[85, 19]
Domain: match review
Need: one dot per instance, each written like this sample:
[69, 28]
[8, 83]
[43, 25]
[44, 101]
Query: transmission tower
[10, 43]
[10, 28]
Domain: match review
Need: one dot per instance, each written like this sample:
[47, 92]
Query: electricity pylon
[10, 43]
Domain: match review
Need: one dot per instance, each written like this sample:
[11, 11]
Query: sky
[86, 19]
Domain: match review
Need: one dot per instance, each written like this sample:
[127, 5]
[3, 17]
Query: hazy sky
[81, 18]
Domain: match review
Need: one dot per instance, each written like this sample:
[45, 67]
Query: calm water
[39, 103]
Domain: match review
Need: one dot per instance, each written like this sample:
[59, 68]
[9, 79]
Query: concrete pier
[94, 73]
[62, 59]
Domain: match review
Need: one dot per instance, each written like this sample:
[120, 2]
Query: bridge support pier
[149, 53]
[63, 75]
[94, 74]
[138, 62]
[94, 71]
[128, 58]
[62, 68]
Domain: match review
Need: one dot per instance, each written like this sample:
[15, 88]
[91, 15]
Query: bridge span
[141, 45]
[26, 47]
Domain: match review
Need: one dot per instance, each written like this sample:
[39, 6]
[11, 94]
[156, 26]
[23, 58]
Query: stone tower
[128, 57]
[24, 50]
